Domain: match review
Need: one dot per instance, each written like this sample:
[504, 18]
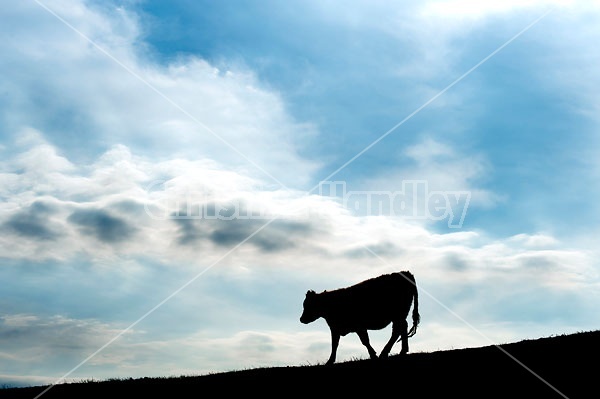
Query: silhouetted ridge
[563, 365]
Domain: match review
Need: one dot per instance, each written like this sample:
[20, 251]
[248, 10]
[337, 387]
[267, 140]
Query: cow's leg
[364, 338]
[335, 340]
[399, 328]
[404, 336]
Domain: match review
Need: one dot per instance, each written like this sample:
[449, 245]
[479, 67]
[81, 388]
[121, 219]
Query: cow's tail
[415, 313]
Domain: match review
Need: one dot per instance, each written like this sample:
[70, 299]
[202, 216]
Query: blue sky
[125, 125]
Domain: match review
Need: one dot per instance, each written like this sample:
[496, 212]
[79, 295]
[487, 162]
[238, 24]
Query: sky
[174, 176]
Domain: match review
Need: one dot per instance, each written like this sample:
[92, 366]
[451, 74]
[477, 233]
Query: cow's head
[311, 308]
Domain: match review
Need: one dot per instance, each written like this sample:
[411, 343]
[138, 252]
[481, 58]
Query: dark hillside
[559, 366]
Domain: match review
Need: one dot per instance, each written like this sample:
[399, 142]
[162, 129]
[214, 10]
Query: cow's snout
[307, 318]
[304, 319]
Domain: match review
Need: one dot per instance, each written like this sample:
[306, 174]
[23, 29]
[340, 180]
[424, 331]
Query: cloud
[535, 241]
[368, 251]
[125, 212]
[279, 235]
[86, 94]
[469, 9]
[432, 182]
[232, 233]
[188, 232]
[133, 206]
[34, 342]
[102, 225]
[33, 222]
[447, 169]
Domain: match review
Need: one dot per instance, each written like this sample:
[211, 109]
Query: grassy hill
[552, 367]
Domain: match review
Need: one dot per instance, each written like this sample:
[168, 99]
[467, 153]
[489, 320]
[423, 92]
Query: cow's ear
[310, 292]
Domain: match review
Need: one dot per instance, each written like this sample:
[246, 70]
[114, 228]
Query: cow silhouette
[369, 305]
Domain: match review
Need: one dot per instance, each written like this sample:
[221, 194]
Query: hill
[563, 366]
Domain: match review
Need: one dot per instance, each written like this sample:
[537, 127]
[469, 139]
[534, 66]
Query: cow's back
[384, 292]
[371, 304]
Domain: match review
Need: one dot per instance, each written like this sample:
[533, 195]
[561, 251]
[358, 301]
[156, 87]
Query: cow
[369, 305]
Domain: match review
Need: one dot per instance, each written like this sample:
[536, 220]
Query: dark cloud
[370, 251]
[456, 261]
[102, 225]
[538, 261]
[33, 222]
[257, 343]
[56, 339]
[277, 236]
[231, 232]
[129, 207]
[190, 231]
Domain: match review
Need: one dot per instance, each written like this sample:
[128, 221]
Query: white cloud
[112, 207]
[447, 169]
[472, 9]
[54, 77]
[435, 167]
[55, 212]
[535, 241]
